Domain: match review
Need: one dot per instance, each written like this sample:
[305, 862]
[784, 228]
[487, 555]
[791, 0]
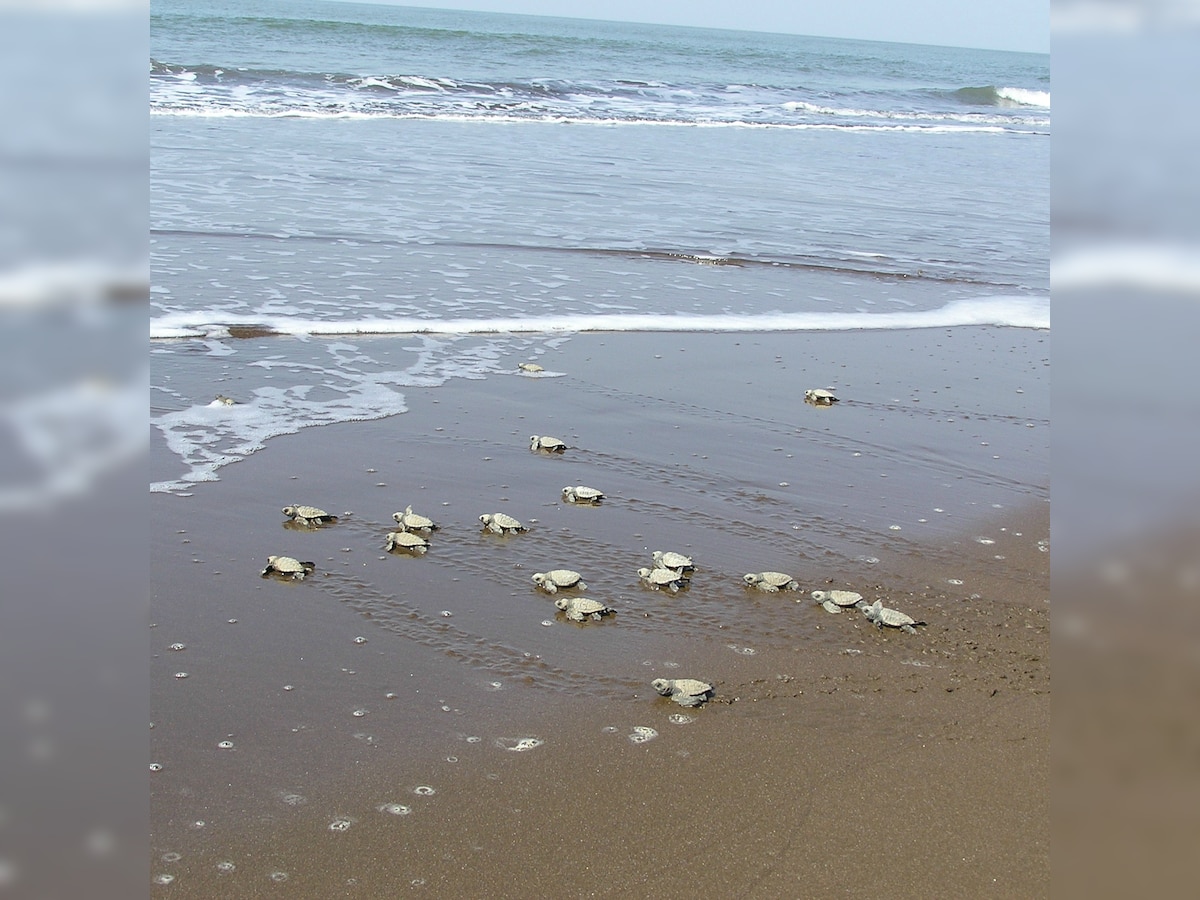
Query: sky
[988, 24]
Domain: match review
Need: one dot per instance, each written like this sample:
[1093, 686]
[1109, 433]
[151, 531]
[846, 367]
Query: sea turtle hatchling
[532, 368]
[580, 493]
[671, 579]
[411, 521]
[771, 581]
[893, 618]
[672, 560]
[549, 444]
[551, 581]
[833, 601]
[308, 515]
[222, 400]
[406, 540]
[286, 566]
[580, 608]
[819, 397]
[684, 691]
[501, 523]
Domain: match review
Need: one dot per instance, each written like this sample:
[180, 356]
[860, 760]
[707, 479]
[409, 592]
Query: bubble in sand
[225, 867]
[546, 623]
[293, 799]
[198, 824]
[171, 857]
[894, 527]
[278, 876]
[289, 687]
[984, 540]
[359, 713]
[670, 665]
[680, 719]
[156, 767]
[178, 645]
[642, 733]
[954, 581]
[340, 825]
[446, 614]
[474, 739]
[225, 745]
[231, 621]
[163, 879]
[610, 729]
[394, 809]
[360, 640]
[181, 675]
[495, 685]
[424, 790]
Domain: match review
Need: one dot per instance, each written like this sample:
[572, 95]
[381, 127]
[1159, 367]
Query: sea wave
[206, 90]
[1015, 312]
[1002, 97]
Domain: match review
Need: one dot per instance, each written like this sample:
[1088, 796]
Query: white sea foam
[1016, 312]
[1025, 97]
[1158, 267]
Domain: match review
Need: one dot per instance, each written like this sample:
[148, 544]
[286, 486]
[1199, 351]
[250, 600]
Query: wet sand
[834, 760]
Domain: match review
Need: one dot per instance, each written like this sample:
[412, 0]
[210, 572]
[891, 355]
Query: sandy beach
[835, 759]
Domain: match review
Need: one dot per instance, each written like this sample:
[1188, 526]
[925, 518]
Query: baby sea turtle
[222, 400]
[893, 618]
[530, 367]
[771, 581]
[580, 493]
[549, 444]
[501, 523]
[551, 581]
[819, 397]
[286, 566]
[672, 560]
[411, 521]
[833, 601]
[671, 579]
[684, 691]
[406, 540]
[308, 515]
[580, 608]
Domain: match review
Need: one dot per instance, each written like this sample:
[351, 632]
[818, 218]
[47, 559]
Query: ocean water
[481, 187]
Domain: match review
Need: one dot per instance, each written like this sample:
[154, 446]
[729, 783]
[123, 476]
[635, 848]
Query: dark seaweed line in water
[791, 432]
[837, 267]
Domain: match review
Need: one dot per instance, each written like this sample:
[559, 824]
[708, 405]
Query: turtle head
[398, 517]
[289, 510]
[662, 685]
[539, 577]
[751, 578]
[819, 596]
[485, 519]
[563, 603]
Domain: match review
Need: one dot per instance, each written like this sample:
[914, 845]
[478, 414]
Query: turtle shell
[579, 608]
[406, 540]
[659, 576]
[770, 581]
[558, 578]
[672, 560]
[287, 565]
[581, 494]
[502, 521]
[410, 519]
[543, 442]
[684, 691]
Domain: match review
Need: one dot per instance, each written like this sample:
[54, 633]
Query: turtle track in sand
[804, 430]
[394, 615]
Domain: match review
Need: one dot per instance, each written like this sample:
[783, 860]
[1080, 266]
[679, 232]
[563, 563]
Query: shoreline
[916, 766]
